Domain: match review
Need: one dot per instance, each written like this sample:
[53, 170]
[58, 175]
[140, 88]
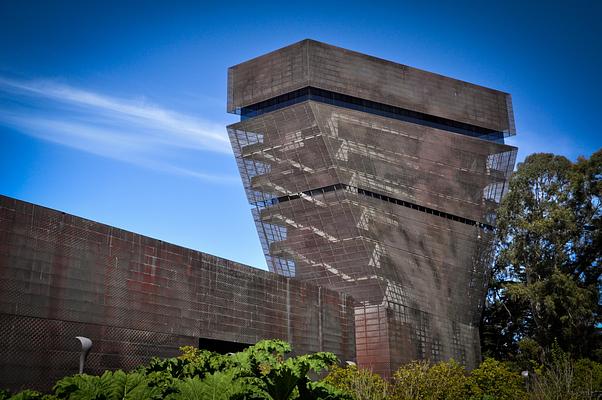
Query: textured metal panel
[267, 76]
[137, 297]
[316, 64]
[38, 351]
[397, 214]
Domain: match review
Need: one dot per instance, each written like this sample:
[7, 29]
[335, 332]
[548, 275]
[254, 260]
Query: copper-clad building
[378, 180]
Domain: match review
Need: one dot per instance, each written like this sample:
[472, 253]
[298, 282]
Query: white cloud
[128, 130]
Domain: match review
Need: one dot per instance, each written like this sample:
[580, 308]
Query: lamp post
[525, 375]
[86, 346]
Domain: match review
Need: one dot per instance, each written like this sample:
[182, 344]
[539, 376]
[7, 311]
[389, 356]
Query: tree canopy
[545, 282]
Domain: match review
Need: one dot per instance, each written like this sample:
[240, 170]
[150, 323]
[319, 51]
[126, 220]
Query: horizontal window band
[372, 107]
[369, 193]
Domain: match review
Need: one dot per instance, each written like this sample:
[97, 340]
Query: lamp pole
[86, 346]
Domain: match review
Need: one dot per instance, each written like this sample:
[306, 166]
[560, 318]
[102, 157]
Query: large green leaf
[216, 386]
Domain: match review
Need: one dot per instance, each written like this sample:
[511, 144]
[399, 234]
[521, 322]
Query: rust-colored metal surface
[316, 64]
[136, 297]
[380, 181]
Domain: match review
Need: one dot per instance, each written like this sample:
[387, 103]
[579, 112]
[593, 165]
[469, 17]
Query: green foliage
[109, 386]
[190, 353]
[130, 387]
[545, 283]
[555, 381]
[362, 384]
[530, 356]
[216, 386]
[323, 391]
[420, 380]
[492, 379]
[27, 395]
[561, 378]
[262, 371]
[166, 374]
[587, 375]
[280, 377]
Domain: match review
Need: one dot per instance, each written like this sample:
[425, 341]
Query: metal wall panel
[316, 64]
[138, 297]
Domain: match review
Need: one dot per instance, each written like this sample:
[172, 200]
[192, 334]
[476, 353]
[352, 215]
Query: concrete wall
[138, 297]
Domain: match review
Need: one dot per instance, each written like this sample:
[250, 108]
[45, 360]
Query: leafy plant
[264, 372]
[29, 395]
[361, 383]
[109, 386]
[284, 378]
[587, 376]
[492, 379]
[563, 378]
[216, 386]
[420, 380]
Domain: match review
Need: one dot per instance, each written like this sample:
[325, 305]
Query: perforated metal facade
[377, 180]
[136, 297]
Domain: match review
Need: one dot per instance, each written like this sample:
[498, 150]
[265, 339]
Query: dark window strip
[372, 107]
[368, 193]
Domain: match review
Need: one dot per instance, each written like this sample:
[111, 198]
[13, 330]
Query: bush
[587, 376]
[261, 371]
[264, 371]
[27, 395]
[420, 380]
[362, 384]
[493, 380]
[561, 378]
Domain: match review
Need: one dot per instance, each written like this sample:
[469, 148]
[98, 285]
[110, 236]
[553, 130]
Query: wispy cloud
[129, 130]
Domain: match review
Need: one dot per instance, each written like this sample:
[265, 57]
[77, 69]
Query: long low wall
[136, 297]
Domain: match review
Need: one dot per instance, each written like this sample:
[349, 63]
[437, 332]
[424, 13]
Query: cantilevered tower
[378, 180]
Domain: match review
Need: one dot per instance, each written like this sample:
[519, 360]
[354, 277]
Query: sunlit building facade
[378, 180]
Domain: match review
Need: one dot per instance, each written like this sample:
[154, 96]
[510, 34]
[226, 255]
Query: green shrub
[493, 380]
[109, 386]
[362, 384]
[31, 395]
[264, 371]
[420, 380]
[587, 376]
[555, 380]
[261, 371]
[216, 386]
[561, 378]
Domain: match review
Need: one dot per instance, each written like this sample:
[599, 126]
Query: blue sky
[115, 110]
